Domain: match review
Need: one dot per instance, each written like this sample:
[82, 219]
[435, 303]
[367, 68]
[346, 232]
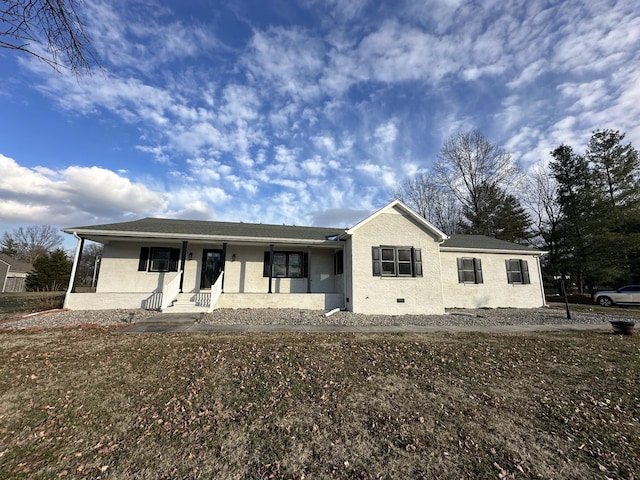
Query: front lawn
[22, 303]
[89, 403]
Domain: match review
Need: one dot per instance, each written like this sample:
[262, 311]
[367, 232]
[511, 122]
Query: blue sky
[305, 113]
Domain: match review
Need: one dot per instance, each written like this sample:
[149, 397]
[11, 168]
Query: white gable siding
[495, 291]
[379, 295]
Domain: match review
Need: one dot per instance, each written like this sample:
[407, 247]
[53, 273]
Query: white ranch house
[392, 262]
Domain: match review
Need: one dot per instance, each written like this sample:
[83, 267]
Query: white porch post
[544, 299]
[74, 268]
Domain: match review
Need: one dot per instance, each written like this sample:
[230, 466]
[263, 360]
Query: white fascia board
[489, 250]
[204, 238]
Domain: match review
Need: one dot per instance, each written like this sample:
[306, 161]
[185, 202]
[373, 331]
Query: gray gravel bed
[275, 316]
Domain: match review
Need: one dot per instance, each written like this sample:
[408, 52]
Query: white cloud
[288, 60]
[386, 133]
[315, 166]
[43, 195]
[298, 107]
[144, 40]
[379, 173]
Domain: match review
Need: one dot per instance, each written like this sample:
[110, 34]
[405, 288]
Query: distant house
[392, 262]
[13, 274]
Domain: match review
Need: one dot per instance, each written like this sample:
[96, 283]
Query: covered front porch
[197, 276]
[113, 300]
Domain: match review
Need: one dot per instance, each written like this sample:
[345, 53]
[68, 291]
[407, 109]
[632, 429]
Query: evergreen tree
[50, 272]
[9, 246]
[598, 230]
[616, 238]
[577, 201]
[515, 223]
[497, 214]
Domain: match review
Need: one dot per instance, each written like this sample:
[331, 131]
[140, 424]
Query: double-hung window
[286, 265]
[158, 259]
[392, 261]
[517, 272]
[469, 270]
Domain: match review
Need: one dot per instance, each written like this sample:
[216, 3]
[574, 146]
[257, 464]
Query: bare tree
[89, 265]
[542, 200]
[29, 243]
[431, 201]
[472, 167]
[26, 24]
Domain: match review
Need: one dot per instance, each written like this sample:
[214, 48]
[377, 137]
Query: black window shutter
[265, 270]
[174, 258]
[144, 258]
[460, 271]
[417, 262]
[507, 262]
[524, 267]
[305, 265]
[477, 264]
[375, 256]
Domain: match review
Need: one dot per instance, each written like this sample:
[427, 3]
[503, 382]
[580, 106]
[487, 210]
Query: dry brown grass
[21, 303]
[88, 403]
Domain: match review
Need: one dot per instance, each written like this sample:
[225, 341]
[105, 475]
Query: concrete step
[188, 302]
[185, 308]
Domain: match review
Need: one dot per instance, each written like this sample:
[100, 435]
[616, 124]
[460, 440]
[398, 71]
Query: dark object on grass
[622, 327]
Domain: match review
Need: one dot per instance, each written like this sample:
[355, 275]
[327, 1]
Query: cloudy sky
[306, 112]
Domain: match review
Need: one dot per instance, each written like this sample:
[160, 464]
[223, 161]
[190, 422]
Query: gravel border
[281, 316]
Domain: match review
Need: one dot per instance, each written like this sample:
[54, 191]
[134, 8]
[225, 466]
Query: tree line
[41, 246]
[583, 209]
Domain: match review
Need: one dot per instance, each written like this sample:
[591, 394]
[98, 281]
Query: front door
[211, 268]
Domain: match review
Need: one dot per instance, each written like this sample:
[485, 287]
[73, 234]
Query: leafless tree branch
[27, 25]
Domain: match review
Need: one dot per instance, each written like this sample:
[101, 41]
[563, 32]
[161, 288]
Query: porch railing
[170, 291]
[216, 291]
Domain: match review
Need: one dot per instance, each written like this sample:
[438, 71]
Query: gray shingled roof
[180, 228]
[16, 265]
[482, 242]
[189, 228]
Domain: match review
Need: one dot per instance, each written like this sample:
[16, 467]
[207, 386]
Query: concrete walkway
[181, 323]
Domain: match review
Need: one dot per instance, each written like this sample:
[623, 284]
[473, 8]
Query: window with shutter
[517, 271]
[392, 261]
[469, 270]
[286, 265]
[159, 259]
[144, 258]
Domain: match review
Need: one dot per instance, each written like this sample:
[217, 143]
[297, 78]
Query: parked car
[629, 295]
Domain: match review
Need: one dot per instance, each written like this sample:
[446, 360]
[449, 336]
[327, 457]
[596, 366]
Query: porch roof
[163, 228]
